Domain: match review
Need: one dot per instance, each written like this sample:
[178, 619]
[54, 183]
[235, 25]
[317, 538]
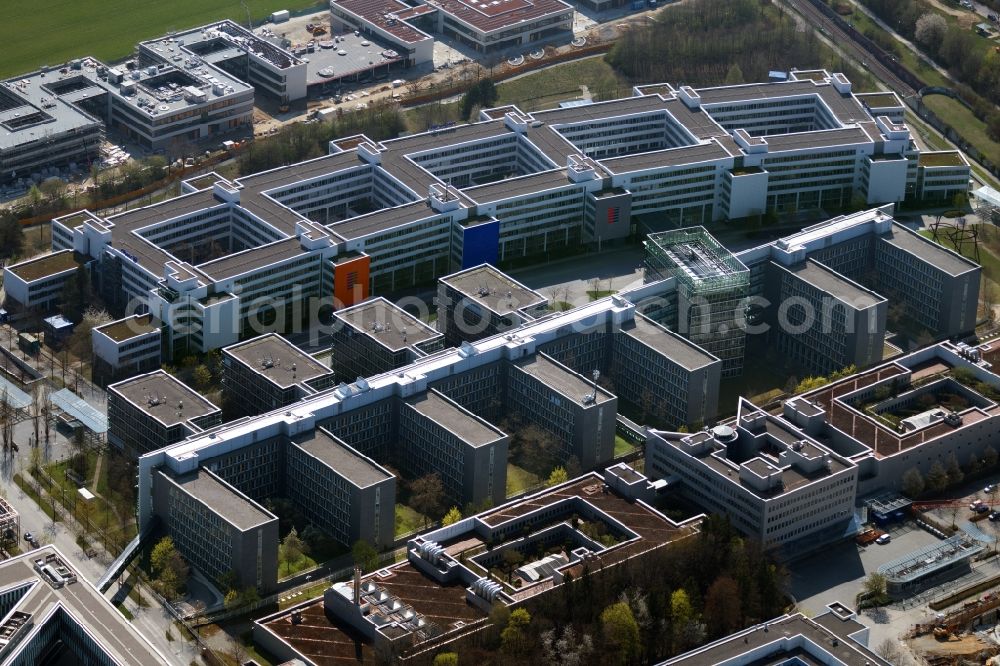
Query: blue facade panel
[481, 244]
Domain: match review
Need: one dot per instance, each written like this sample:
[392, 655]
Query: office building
[377, 336]
[268, 372]
[775, 483]
[216, 529]
[832, 637]
[437, 436]
[486, 28]
[831, 322]
[579, 414]
[443, 591]
[481, 301]
[361, 494]
[843, 269]
[154, 410]
[712, 286]
[125, 348]
[374, 217]
[39, 283]
[51, 614]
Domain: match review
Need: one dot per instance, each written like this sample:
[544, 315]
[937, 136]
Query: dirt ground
[967, 645]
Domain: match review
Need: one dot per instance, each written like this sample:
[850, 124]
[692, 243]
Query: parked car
[884, 539]
[28, 536]
[974, 505]
[994, 516]
[982, 508]
[989, 489]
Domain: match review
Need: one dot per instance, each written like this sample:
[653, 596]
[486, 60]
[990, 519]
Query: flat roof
[519, 186]
[164, 398]
[82, 602]
[387, 324]
[946, 158]
[341, 458]
[705, 152]
[817, 139]
[773, 640]
[468, 427]
[493, 289]
[668, 343]
[129, 327]
[225, 500]
[377, 12]
[253, 259]
[821, 277]
[491, 15]
[277, 359]
[561, 379]
[45, 266]
[383, 220]
[926, 249]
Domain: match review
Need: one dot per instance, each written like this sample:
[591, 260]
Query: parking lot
[836, 574]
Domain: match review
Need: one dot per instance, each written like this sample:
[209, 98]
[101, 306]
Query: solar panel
[78, 408]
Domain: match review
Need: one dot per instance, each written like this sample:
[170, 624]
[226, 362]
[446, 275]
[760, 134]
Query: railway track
[843, 39]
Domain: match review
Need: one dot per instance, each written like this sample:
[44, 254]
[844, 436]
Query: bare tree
[890, 651]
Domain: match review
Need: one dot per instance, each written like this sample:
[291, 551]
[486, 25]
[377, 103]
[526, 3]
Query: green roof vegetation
[943, 159]
[50, 264]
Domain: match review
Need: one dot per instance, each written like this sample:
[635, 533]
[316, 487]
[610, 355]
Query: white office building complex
[373, 216]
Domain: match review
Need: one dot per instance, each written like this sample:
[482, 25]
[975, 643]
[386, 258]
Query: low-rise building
[832, 637]
[154, 410]
[125, 348]
[774, 482]
[268, 372]
[39, 283]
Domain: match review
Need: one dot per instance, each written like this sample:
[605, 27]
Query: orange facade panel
[350, 281]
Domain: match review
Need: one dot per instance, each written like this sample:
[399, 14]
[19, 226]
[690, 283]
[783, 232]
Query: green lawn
[906, 57]
[971, 129]
[622, 446]
[989, 261]
[520, 479]
[409, 520]
[546, 88]
[290, 568]
[44, 505]
[60, 30]
[596, 294]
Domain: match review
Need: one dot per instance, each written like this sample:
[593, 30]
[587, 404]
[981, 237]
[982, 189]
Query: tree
[890, 651]
[557, 476]
[452, 517]
[568, 650]
[202, 377]
[937, 478]
[446, 659]
[990, 457]
[722, 606]
[11, 236]
[913, 483]
[169, 567]
[365, 555]
[483, 93]
[427, 495]
[292, 548]
[930, 31]
[874, 585]
[734, 76]
[681, 617]
[513, 639]
[162, 552]
[621, 630]
[955, 474]
[512, 559]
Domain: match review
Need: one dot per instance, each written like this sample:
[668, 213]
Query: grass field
[547, 87]
[971, 129]
[622, 446]
[519, 479]
[409, 520]
[60, 30]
